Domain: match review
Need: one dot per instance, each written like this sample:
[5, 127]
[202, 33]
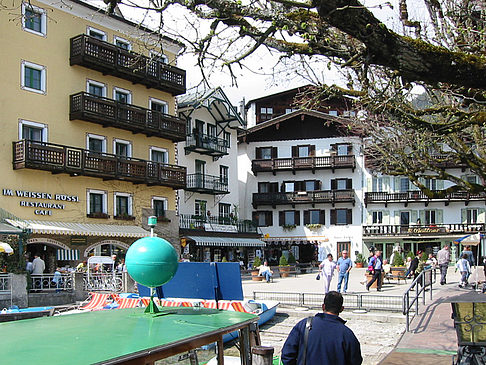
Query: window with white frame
[97, 202]
[377, 217]
[431, 184]
[96, 88]
[158, 155]
[404, 218]
[211, 128]
[289, 187]
[430, 217]
[223, 174]
[377, 184]
[122, 95]
[200, 208]
[122, 148]
[158, 106]
[404, 184]
[160, 57]
[290, 110]
[290, 218]
[34, 19]
[471, 179]
[96, 33]
[32, 131]
[334, 113]
[122, 204]
[266, 113]
[472, 216]
[122, 43]
[227, 139]
[224, 210]
[266, 153]
[159, 206]
[343, 149]
[95, 143]
[33, 77]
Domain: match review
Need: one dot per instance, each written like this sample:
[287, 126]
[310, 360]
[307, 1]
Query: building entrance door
[341, 246]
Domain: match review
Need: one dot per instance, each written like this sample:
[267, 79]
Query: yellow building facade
[88, 128]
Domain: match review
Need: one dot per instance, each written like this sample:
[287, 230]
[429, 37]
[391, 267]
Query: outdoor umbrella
[5, 247]
[471, 240]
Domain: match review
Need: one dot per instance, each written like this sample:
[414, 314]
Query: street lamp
[469, 315]
[152, 222]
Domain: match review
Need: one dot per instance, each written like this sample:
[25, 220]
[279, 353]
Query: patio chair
[226, 305]
[97, 301]
[238, 307]
[128, 303]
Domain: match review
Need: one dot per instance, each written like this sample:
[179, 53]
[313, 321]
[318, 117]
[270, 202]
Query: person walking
[323, 339]
[443, 259]
[376, 265]
[38, 265]
[327, 267]
[470, 258]
[344, 266]
[464, 268]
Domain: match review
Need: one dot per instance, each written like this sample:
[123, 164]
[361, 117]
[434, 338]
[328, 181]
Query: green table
[119, 336]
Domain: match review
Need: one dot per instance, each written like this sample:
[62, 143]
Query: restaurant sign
[51, 202]
[423, 230]
[220, 228]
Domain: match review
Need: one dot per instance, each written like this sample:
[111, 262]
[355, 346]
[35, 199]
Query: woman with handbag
[327, 268]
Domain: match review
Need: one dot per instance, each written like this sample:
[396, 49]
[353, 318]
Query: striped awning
[80, 229]
[67, 255]
[226, 241]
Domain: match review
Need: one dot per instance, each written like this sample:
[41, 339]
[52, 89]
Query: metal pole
[423, 287]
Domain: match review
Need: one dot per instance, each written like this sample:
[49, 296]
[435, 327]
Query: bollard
[262, 355]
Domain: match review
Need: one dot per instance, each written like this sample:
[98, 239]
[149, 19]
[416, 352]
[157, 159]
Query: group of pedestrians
[343, 266]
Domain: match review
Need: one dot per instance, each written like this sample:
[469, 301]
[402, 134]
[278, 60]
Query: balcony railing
[206, 145]
[187, 221]
[76, 161]
[303, 163]
[422, 230]
[304, 197]
[109, 59]
[208, 184]
[111, 113]
[418, 197]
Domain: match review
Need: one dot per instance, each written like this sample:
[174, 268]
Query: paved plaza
[382, 335]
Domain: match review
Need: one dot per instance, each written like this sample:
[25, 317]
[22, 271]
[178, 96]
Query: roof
[117, 15]
[288, 91]
[80, 229]
[9, 229]
[215, 101]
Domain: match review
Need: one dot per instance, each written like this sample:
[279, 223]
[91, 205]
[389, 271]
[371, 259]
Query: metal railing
[77, 161]
[51, 282]
[302, 197]
[419, 285]
[103, 282]
[351, 301]
[5, 284]
[109, 112]
[187, 221]
[204, 142]
[206, 183]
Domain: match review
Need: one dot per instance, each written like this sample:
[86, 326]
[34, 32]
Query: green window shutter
[386, 217]
[440, 216]
[422, 216]
[414, 216]
[386, 184]
[481, 215]
[463, 216]
[396, 184]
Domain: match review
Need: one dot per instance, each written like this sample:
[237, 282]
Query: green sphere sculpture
[151, 261]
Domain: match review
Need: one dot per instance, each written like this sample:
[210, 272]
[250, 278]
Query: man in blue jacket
[329, 341]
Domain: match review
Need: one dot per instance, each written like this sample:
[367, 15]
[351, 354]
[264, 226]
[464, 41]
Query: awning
[80, 229]
[9, 229]
[67, 255]
[226, 241]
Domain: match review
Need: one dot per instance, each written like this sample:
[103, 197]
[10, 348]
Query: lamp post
[152, 222]
[469, 315]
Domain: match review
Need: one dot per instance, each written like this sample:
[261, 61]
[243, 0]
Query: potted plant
[313, 225]
[254, 273]
[288, 227]
[360, 260]
[283, 267]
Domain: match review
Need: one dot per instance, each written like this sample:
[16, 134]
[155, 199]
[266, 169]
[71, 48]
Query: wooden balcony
[222, 224]
[111, 113]
[206, 184]
[79, 162]
[419, 197]
[206, 145]
[303, 163]
[378, 230]
[304, 197]
[109, 59]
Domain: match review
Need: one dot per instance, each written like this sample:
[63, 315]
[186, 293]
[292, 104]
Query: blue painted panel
[229, 278]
